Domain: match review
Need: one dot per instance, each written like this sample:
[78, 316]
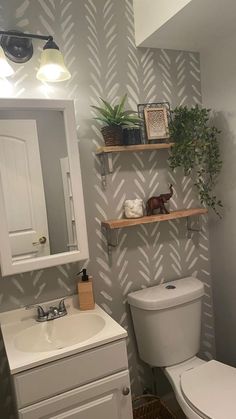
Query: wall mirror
[42, 216]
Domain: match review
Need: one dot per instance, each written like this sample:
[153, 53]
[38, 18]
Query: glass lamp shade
[52, 67]
[5, 69]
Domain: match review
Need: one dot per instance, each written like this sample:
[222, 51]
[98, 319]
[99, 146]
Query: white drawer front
[102, 399]
[65, 374]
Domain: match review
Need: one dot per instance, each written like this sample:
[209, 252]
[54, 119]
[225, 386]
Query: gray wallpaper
[97, 38]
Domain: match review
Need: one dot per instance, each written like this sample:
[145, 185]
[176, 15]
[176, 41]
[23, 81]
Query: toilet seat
[210, 390]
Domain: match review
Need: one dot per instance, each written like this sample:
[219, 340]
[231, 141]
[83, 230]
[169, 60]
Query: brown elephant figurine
[158, 202]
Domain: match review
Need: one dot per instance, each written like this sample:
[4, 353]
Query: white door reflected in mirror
[40, 186]
[23, 189]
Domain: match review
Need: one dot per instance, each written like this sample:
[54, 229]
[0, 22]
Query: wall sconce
[18, 47]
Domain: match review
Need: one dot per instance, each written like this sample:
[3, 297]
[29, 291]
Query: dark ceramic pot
[131, 136]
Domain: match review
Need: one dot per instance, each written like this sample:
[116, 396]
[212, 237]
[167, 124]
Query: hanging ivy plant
[196, 150]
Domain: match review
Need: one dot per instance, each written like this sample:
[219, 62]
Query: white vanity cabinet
[90, 385]
[99, 399]
[74, 367]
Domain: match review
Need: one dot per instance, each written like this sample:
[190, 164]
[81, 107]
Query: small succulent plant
[117, 115]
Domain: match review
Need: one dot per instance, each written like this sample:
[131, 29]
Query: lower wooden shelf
[130, 222]
[111, 226]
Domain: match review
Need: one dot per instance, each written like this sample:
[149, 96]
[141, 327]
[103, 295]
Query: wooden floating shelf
[137, 147]
[130, 222]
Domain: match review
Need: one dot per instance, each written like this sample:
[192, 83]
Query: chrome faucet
[52, 313]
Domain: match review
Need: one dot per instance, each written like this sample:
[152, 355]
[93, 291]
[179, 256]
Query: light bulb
[52, 71]
[6, 88]
[5, 69]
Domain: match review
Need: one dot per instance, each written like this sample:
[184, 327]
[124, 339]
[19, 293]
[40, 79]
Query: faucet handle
[61, 306]
[41, 313]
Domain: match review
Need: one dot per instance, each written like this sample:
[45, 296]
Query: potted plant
[196, 150]
[114, 119]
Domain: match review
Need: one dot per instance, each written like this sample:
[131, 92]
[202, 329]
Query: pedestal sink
[59, 333]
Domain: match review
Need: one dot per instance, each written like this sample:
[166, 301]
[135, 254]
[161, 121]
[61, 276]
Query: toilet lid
[211, 390]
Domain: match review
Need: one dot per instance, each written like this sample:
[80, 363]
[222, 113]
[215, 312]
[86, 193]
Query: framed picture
[156, 123]
[156, 117]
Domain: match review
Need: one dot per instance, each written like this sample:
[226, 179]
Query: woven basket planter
[112, 135]
[151, 407]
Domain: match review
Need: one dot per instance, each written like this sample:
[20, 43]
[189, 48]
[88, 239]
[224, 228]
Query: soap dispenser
[85, 291]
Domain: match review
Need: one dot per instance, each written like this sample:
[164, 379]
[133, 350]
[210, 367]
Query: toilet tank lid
[168, 294]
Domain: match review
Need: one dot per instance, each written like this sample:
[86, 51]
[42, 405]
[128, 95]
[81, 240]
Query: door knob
[42, 240]
[126, 391]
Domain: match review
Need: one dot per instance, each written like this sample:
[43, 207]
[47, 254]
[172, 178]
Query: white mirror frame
[10, 267]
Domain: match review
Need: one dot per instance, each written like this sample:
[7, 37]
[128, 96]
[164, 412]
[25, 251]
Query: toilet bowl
[167, 320]
[204, 389]
[174, 374]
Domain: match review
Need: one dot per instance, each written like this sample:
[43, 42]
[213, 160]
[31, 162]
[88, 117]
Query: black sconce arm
[17, 34]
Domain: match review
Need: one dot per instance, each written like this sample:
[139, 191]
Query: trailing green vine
[196, 150]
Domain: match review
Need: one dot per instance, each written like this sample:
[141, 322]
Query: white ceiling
[197, 25]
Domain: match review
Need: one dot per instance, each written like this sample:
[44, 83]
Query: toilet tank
[167, 321]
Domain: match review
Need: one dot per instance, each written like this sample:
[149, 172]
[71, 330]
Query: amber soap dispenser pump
[85, 291]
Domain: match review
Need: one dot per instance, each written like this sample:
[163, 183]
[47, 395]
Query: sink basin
[29, 344]
[59, 333]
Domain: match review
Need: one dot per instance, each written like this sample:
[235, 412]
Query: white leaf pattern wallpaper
[97, 39]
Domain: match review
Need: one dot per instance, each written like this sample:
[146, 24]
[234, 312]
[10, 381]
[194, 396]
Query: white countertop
[15, 321]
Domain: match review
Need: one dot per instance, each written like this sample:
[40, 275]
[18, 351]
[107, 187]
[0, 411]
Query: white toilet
[167, 324]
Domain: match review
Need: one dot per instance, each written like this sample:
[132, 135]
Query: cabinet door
[101, 399]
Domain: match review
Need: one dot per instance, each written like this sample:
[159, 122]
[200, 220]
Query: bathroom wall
[218, 66]
[97, 38]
